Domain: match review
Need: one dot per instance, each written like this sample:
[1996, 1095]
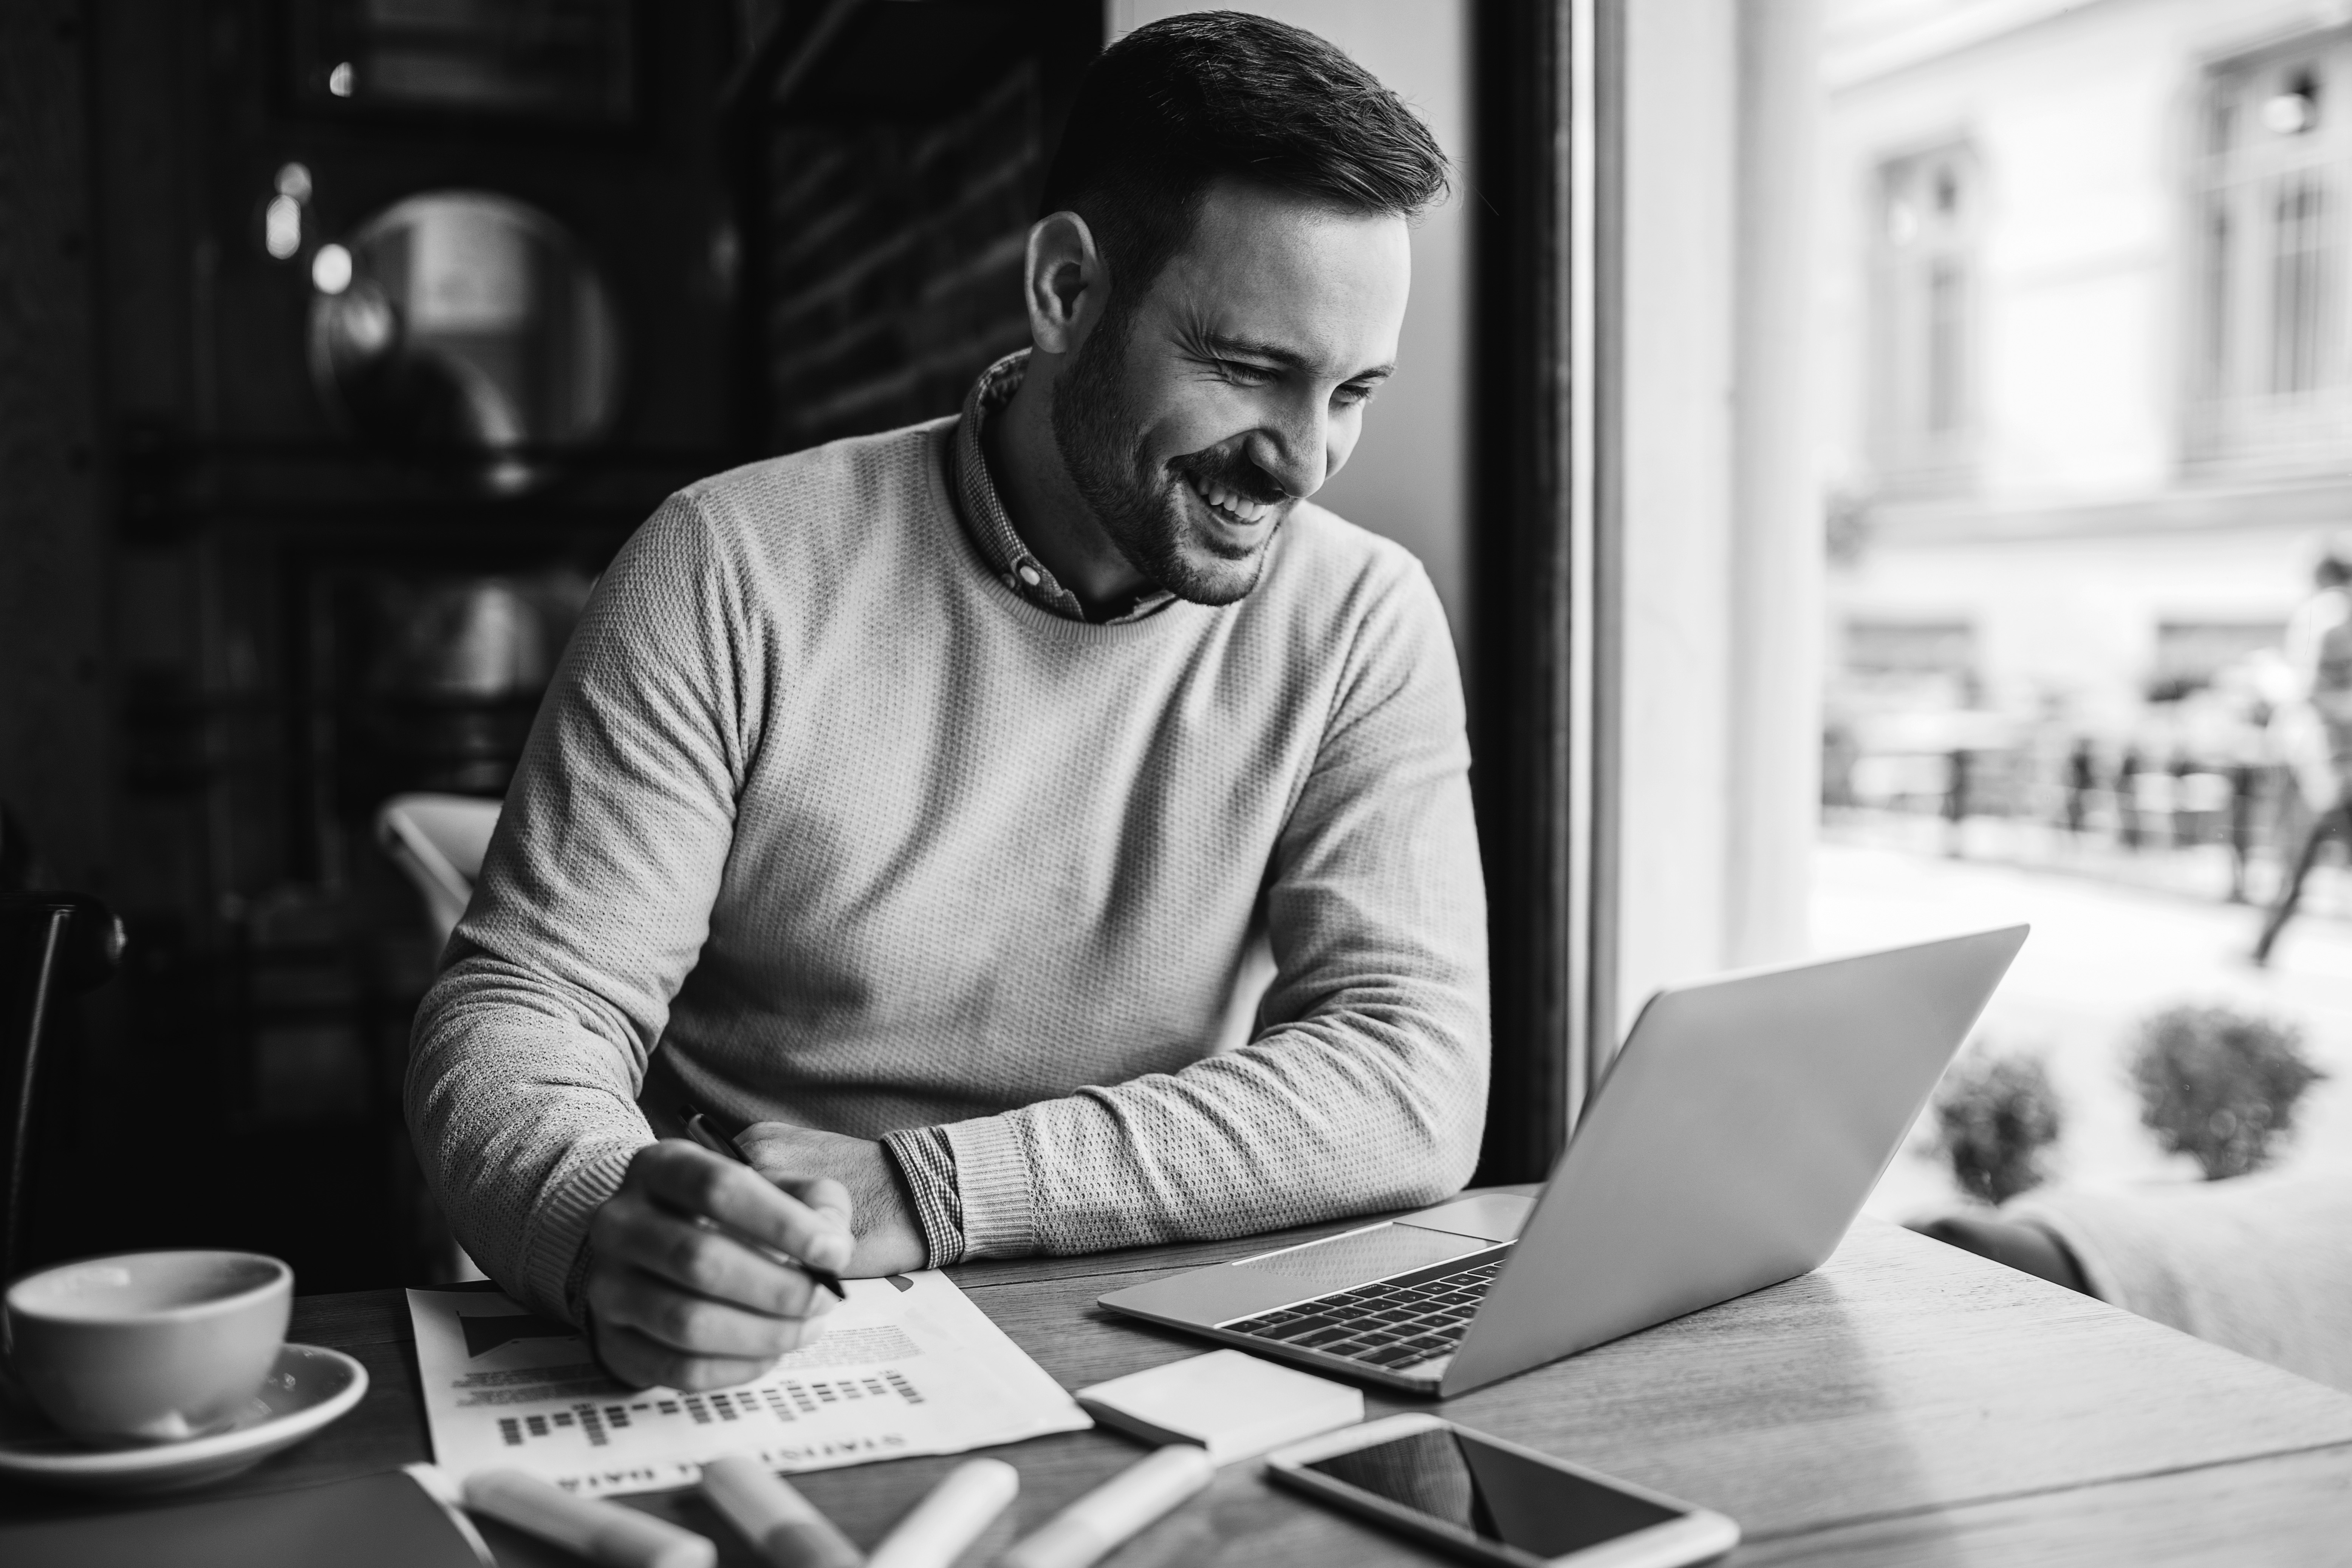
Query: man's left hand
[882, 1213]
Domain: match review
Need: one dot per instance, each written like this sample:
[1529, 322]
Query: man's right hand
[677, 1303]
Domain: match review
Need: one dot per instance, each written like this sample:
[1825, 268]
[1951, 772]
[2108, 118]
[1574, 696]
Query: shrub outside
[2219, 1085]
[1995, 1114]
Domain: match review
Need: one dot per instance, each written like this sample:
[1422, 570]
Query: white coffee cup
[148, 1347]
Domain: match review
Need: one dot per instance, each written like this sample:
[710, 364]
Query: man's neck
[1043, 504]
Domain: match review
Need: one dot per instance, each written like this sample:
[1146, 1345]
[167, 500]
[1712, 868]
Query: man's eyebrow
[1289, 359]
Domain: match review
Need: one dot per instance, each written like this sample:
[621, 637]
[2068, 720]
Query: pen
[698, 1128]
[789, 1532]
[956, 1512]
[1124, 1505]
[599, 1531]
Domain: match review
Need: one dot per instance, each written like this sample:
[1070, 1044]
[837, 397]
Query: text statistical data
[907, 1365]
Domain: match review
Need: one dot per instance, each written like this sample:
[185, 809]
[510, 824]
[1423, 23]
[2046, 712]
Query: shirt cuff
[927, 1165]
[555, 1253]
[992, 1181]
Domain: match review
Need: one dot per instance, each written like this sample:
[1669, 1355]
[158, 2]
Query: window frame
[1546, 564]
[1914, 454]
[2238, 423]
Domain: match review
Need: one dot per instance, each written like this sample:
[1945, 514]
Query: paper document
[907, 1365]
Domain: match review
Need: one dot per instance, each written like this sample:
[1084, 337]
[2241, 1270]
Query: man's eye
[1246, 374]
[1351, 396]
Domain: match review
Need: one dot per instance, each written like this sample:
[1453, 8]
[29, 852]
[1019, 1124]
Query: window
[1925, 329]
[2272, 382]
[1892, 665]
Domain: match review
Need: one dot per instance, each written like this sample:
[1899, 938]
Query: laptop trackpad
[1496, 1216]
[1360, 1257]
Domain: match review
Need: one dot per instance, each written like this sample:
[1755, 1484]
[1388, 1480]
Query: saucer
[308, 1387]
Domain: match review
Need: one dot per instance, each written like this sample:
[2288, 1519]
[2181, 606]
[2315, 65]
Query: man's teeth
[1241, 506]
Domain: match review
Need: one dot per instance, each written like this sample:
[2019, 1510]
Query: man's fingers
[642, 1362]
[693, 1180]
[690, 1324]
[705, 1261]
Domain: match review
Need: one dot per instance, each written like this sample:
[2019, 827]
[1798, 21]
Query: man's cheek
[1216, 418]
[1340, 439]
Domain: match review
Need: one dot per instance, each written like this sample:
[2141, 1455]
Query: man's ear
[1064, 281]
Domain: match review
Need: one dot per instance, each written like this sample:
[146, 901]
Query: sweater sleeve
[592, 904]
[1365, 1086]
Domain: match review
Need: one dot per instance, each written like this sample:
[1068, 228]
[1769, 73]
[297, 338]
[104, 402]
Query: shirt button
[1029, 575]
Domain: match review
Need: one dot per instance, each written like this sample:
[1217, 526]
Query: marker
[601, 1531]
[698, 1128]
[785, 1526]
[1115, 1511]
[936, 1532]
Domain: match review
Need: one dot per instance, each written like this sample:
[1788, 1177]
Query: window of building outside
[2272, 380]
[1928, 206]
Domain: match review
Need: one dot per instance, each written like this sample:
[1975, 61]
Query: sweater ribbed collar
[983, 511]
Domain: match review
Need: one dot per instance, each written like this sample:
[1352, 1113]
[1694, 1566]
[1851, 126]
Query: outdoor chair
[439, 841]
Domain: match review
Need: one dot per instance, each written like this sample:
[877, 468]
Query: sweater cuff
[999, 1216]
[927, 1165]
[555, 1255]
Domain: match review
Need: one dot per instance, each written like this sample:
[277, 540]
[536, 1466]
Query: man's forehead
[1276, 276]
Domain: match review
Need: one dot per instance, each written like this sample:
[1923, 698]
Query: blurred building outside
[2087, 327]
[2085, 318]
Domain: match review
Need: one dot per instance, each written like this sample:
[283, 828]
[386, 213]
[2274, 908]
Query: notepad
[907, 1365]
[1229, 1402]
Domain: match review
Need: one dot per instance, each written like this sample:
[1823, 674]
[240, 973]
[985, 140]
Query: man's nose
[1293, 451]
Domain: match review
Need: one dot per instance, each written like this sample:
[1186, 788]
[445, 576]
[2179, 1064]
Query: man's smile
[1237, 509]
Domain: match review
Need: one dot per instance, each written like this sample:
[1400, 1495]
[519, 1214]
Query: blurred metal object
[479, 640]
[466, 322]
[543, 60]
[48, 941]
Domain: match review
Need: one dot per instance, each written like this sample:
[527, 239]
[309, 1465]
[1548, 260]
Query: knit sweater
[862, 840]
[2261, 1264]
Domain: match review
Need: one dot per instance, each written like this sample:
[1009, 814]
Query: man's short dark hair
[1174, 106]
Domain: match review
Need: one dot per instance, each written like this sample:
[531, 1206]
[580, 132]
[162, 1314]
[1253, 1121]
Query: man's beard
[1139, 506]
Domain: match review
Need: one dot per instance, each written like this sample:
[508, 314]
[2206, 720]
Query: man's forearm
[1306, 1125]
[525, 1124]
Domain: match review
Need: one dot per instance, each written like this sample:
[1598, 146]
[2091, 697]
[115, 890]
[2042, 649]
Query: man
[2317, 731]
[910, 803]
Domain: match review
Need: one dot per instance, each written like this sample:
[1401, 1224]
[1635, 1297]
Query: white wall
[1681, 122]
[1408, 478]
[2074, 617]
[1721, 527]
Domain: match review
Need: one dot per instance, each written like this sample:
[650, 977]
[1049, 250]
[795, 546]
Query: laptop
[1728, 1148]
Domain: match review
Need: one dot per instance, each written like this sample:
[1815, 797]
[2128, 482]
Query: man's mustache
[1235, 473]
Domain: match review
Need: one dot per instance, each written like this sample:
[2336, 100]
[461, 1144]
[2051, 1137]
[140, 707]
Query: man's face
[1237, 385]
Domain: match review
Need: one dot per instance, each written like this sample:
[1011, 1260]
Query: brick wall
[892, 262]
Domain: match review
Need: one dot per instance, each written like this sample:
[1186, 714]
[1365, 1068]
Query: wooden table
[1905, 1404]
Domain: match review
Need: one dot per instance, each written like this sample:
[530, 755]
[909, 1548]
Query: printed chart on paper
[907, 1365]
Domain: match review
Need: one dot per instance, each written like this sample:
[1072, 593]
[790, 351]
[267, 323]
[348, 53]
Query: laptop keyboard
[1395, 1324]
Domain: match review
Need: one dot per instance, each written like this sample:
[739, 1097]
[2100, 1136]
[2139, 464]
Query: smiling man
[909, 804]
